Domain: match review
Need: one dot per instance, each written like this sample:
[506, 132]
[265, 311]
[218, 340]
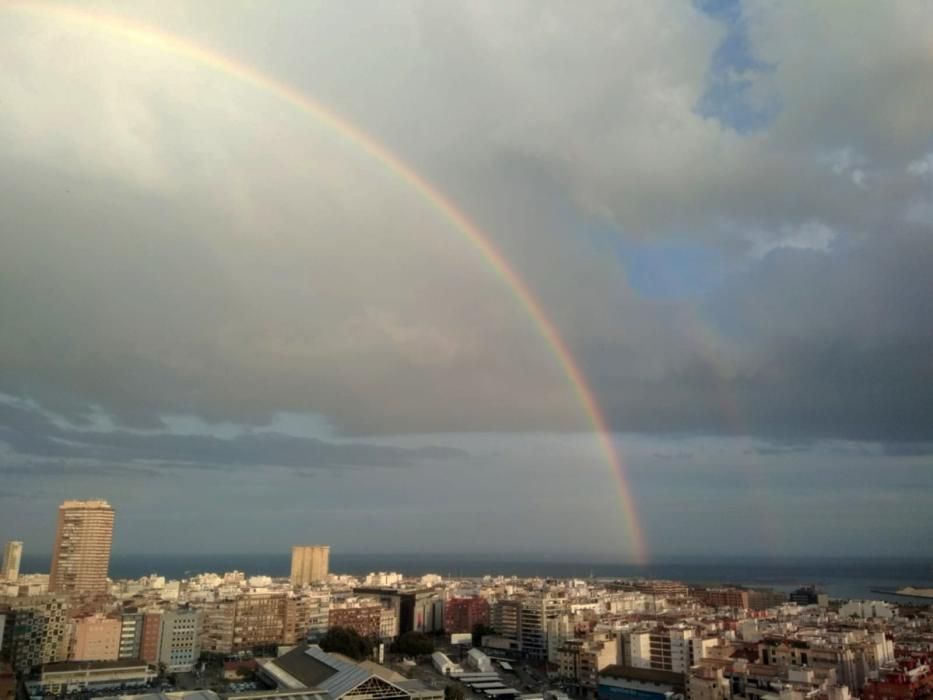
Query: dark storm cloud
[821, 345]
[38, 446]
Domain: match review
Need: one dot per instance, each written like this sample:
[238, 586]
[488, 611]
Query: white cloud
[812, 235]
[921, 166]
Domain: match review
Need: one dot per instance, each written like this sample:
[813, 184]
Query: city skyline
[621, 283]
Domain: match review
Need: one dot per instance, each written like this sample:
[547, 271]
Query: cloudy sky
[245, 331]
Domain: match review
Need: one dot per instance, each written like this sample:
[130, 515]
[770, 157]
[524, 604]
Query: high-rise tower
[12, 554]
[82, 547]
[310, 564]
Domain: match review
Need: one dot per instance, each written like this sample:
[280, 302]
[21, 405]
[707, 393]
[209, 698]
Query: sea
[841, 578]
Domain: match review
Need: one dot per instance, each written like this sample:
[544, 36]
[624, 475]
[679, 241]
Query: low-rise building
[309, 667]
[77, 676]
[627, 683]
[479, 662]
[910, 681]
[443, 664]
[581, 659]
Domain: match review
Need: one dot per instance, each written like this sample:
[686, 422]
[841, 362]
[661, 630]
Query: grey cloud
[189, 246]
[88, 469]
[38, 446]
[908, 449]
[779, 449]
[808, 345]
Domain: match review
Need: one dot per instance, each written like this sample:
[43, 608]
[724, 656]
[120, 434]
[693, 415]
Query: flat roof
[174, 695]
[303, 694]
[61, 666]
[645, 675]
[487, 674]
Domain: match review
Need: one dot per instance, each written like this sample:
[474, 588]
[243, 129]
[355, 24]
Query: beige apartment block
[95, 638]
[310, 564]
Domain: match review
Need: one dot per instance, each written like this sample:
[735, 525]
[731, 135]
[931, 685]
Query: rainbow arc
[160, 41]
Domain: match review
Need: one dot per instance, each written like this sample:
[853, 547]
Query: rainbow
[161, 41]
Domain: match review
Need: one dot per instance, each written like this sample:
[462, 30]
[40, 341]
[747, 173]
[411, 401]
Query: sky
[246, 331]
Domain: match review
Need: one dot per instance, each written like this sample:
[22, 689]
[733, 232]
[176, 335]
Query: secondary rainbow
[162, 41]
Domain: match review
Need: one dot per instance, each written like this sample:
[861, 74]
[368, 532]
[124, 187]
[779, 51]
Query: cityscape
[466, 350]
[319, 634]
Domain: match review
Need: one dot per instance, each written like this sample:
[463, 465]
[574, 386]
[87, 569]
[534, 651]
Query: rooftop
[646, 675]
[60, 666]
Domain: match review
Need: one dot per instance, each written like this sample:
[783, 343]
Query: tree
[479, 631]
[347, 641]
[415, 644]
[453, 692]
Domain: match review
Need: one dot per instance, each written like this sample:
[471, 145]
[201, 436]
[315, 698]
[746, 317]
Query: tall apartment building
[309, 564]
[81, 555]
[179, 645]
[12, 554]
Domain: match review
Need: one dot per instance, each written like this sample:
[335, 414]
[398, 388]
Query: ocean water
[839, 577]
